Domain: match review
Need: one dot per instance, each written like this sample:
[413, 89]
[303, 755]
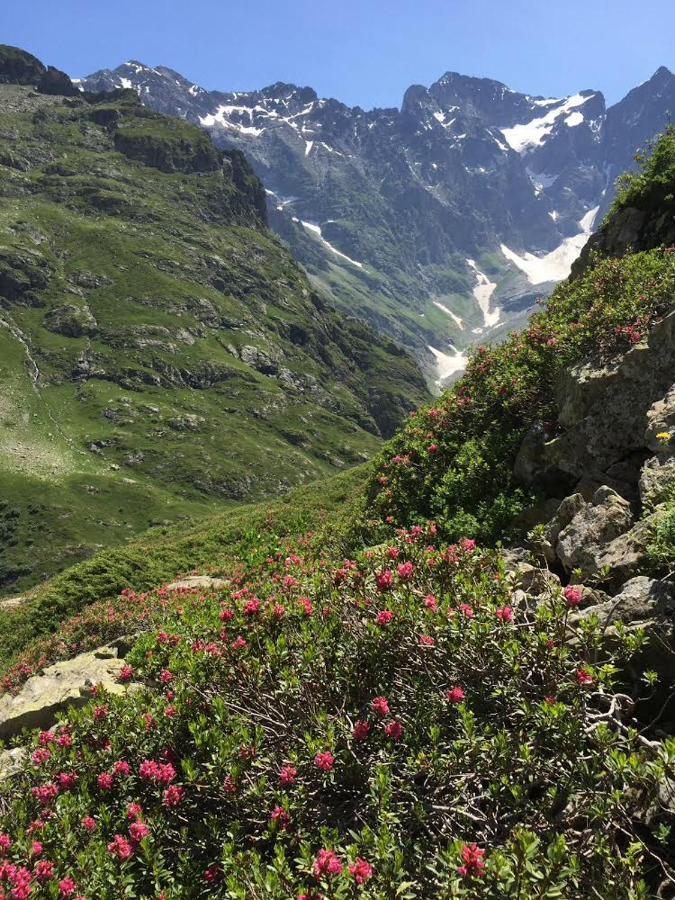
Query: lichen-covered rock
[197, 582]
[67, 683]
[661, 421]
[640, 598]
[657, 479]
[12, 762]
[611, 414]
[582, 542]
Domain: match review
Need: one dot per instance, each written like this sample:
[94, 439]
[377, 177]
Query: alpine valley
[441, 222]
[160, 351]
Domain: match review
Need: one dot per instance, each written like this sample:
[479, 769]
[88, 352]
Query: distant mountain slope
[437, 221]
[160, 351]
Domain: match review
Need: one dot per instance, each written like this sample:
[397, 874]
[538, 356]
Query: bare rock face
[612, 415]
[65, 684]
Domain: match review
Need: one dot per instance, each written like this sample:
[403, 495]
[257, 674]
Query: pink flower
[384, 618]
[41, 756]
[100, 713]
[380, 705]
[394, 730]
[327, 863]
[432, 448]
[226, 615]
[67, 887]
[324, 761]
[361, 870]
[126, 674]
[405, 570]
[89, 824]
[105, 781]
[281, 817]
[122, 768]
[212, 874]
[121, 848]
[166, 676]
[36, 848]
[138, 831]
[468, 545]
[427, 641]
[45, 870]
[361, 730]
[278, 611]
[173, 796]
[472, 859]
[431, 603]
[67, 780]
[573, 595]
[505, 614]
[288, 776]
[134, 811]
[385, 580]
[584, 677]
[229, 785]
[455, 695]
[252, 608]
[306, 605]
[466, 610]
[239, 643]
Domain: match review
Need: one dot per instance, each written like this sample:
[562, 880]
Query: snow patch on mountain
[483, 292]
[448, 365]
[529, 135]
[316, 230]
[556, 265]
[455, 318]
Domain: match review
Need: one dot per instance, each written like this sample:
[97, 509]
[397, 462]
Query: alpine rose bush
[331, 755]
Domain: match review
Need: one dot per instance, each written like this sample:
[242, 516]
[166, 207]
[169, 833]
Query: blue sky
[363, 52]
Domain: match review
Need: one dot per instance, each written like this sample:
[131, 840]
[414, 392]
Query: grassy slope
[211, 372]
[245, 533]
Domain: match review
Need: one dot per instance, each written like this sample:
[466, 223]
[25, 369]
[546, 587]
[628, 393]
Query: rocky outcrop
[19, 67]
[63, 685]
[610, 415]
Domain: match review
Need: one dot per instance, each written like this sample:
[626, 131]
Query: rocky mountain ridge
[439, 222]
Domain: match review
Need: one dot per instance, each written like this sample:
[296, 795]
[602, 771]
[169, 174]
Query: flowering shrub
[453, 462]
[290, 743]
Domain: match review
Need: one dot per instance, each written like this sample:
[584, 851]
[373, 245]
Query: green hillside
[161, 355]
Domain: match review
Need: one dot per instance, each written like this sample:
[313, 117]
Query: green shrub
[391, 726]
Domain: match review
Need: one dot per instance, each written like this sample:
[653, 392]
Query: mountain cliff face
[160, 351]
[442, 220]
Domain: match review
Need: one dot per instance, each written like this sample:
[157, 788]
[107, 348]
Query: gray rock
[657, 479]
[198, 582]
[661, 419]
[611, 414]
[11, 762]
[595, 525]
[641, 598]
[65, 684]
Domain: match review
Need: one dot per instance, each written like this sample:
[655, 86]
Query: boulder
[583, 540]
[11, 762]
[641, 598]
[65, 684]
[657, 479]
[198, 583]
